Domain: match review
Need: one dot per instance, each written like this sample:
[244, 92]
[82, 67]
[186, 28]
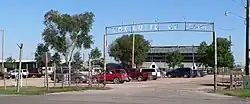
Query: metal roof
[166, 49]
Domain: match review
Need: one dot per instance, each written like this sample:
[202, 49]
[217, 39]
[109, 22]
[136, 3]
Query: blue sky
[23, 20]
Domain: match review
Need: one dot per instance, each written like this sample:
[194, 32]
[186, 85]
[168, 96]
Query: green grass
[42, 90]
[245, 93]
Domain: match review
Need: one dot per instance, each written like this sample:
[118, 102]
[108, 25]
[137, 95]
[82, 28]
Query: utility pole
[54, 74]
[26, 77]
[104, 57]
[90, 72]
[46, 70]
[193, 56]
[231, 76]
[133, 50]
[215, 61]
[247, 39]
[4, 82]
[20, 67]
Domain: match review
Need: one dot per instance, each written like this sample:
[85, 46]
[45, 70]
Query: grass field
[42, 90]
[245, 93]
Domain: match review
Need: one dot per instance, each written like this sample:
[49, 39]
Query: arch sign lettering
[160, 26]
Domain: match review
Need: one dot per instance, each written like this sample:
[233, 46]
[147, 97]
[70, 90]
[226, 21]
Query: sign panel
[48, 57]
[161, 26]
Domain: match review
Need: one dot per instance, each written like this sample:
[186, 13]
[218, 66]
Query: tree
[121, 49]
[56, 58]
[41, 48]
[95, 54]
[225, 57]
[202, 53]
[174, 59]
[10, 63]
[77, 61]
[64, 33]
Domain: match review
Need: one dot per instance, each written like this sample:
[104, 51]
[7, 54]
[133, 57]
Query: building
[157, 54]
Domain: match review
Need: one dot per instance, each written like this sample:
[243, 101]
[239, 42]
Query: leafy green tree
[41, 48]
[95, 54]
[225, 57]
[121, 49]
[77, 61]
[56, 58]
[10, 63]
[174, 59]
[202, 53]
[64, 33]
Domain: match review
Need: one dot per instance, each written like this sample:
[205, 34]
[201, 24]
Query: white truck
[13, 73]
[50, 70]
[95, 71]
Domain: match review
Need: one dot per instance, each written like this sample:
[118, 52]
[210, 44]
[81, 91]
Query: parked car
[95, 71]
[13, 73]
[198, 73]
[180, 72]
[75, 76]
[135, 74]
[35, 72]
[113, 75]
[154, 72]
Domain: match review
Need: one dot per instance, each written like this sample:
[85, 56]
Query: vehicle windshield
[121, 71]
[148, 70]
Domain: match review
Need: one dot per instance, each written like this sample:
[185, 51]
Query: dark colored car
[75, 77]
[113, 75]
[35, 72]
[180, 72]
[135, 74]
[198, 73]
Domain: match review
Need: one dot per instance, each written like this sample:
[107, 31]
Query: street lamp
[247, 34]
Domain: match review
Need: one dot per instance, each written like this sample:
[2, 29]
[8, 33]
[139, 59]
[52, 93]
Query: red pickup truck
[135, 74]
[113, 75]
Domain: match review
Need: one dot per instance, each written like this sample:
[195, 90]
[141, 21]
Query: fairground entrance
[160, 27]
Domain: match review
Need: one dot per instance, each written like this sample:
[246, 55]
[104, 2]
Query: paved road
[163, 91]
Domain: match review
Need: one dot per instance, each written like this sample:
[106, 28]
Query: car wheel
[169, 76]
[139, 78]
[77, 80]
[57, 80]
[116, 80]
[29, 76]
[185, 76]
[150, 77]
[24, 76]
[13, 77]
[94, 80]
[39, 76]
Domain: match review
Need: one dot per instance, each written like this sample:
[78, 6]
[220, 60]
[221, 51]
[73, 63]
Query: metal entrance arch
[160, 27]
